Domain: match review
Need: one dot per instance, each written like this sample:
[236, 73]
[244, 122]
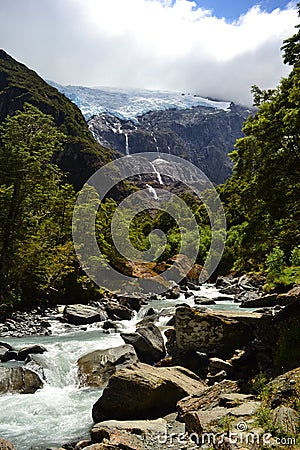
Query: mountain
[198, 129]
[81, 154]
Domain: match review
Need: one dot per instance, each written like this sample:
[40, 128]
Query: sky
[213, 48]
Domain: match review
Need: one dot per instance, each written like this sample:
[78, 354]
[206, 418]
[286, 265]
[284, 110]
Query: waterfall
[152, 191]
[127, 144]
[158, 175]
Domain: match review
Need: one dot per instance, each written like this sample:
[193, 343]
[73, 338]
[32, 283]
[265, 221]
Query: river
[61, 411]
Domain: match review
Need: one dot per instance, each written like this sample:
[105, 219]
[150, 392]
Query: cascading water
[127, 144]
[152, 191]
[60, 412]
[158, 175]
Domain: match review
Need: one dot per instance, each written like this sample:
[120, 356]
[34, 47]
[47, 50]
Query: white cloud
[148, 43]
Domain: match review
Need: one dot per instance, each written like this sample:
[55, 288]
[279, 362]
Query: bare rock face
[147, 342]
[145, 392]
[83, 314]
[95, 369]
[19, 379]
[202, 135]
[212, 332]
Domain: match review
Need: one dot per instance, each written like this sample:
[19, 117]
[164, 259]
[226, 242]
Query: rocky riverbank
[194, 378]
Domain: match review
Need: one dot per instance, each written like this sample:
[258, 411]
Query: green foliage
[35, 217]
[82, 154]
[287, 351]
[295, 256]
[275, 261]
[264, 191]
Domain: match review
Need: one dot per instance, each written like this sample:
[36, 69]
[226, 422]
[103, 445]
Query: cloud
[167, 44]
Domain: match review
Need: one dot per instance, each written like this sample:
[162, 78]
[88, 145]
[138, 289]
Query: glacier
[129, 104]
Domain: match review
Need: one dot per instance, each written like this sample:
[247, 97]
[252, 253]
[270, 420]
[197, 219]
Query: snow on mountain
[128, 104]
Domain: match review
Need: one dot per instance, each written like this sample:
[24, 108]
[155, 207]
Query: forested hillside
[262, 198]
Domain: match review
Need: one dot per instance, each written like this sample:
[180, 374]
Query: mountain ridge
[18, 85]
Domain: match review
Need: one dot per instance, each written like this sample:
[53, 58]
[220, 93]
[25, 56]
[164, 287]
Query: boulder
[289, 297]
[147, 342]
[260, 302]
[173, 293]
[19, 379]
[31, 349]
[202, 413]
[133, 302]
[95, 369]
[145, 392]
[84, 314]
[284, 389]
[116, 310]
[130, 433]
[217, 364]
[286, 419]
[204, 301]
[216, 333]
[9, 355]
[208, 398]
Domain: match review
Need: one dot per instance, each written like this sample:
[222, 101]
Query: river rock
[217, 364]
[19, 379]
[215, 333]
[133, 432]
[208, 398]
[286, 419]
[133, 302]
[84, 314]
[31, 349]
[260, 302]
[204, 301]
[9, 355]
[147, 342]
[116, 310]
[145, 392]
[95, 369]
[6, 445]
[173, 293]
[289, 297]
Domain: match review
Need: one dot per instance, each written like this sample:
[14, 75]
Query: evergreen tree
[35, 208]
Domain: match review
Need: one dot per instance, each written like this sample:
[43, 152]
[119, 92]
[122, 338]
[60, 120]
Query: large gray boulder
[19, 379]
[147, 342]
[95, 369]
[84, 314]
[216, 333]
[145, 392]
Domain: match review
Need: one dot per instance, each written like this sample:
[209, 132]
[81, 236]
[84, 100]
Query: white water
[60, 412]
[152, 191]
[158, 175]
[127, 144]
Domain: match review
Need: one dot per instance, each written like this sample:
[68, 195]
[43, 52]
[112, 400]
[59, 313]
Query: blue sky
[152, 44]
[232, 9]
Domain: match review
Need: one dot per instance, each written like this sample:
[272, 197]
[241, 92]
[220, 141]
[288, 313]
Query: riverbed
[60, 412]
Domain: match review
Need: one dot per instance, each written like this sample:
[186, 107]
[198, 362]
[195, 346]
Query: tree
[35, 214]
[264, 191]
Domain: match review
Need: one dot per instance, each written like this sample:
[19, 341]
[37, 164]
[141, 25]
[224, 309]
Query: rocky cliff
[201, 135]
